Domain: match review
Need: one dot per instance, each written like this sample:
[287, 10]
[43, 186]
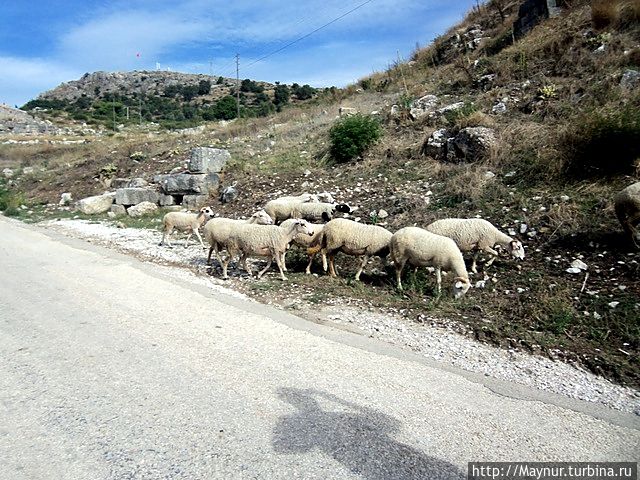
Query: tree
[281, 96]
[204, 87]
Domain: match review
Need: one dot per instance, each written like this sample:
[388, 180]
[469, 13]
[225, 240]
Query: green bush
[351, 136]
[602, 144]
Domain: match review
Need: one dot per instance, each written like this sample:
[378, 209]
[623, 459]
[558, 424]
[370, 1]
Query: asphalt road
[111, 370]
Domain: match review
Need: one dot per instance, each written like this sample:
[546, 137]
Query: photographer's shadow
[358, 437]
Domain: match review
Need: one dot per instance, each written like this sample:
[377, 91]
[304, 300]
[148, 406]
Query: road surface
[112, 370]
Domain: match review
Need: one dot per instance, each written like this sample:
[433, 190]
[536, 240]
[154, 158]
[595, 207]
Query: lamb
[476, 234]
[421, 248]
[186, 222]
[280, 211]
[306, 241]
[263, 241]
[627, 206]
[217, 231]
[352, 238]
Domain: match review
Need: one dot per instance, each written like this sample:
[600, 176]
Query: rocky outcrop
[15, 121]
[532, 12]
[468, 145]
[188, 183]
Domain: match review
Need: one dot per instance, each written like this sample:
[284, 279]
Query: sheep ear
[458, 284]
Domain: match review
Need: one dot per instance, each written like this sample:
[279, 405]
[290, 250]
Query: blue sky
[46, 42]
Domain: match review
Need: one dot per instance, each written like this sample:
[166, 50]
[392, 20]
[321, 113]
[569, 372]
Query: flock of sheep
[290, 221]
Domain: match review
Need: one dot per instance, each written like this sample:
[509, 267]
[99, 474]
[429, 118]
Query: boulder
[194, 202]
[117, 210]
[208, 160]
[423, 106]
[630, 80]
[138, 182]
[229, 194]
[134, 196]
[189, 184]
[472, 144]
[436, 144]
[144, 208]
[532, 12]
[96, 204]
[120, 183]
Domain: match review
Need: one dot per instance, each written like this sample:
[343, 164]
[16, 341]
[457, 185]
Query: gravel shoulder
[432, 342]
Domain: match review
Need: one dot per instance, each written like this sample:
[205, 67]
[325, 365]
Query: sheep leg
[225, 264]
[438, 280]
[474, 267]
[365, 259]
[186, 242]
[167, 234]
[284, 264]
[493, 258]
[200, 238]
[209, 257]
[264, 270]
[279, 262]
[332, 268]
[308, 269]
[399, 267]
[324, 260]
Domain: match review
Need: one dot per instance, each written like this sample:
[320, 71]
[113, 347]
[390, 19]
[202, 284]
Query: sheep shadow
[358, 437]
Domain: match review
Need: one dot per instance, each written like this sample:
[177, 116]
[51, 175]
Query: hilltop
[174, 99]
[529, 120]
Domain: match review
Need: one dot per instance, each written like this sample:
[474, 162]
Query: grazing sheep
[352, 238]
[325, 197]
[476, 234]
[185, 222]
[421, 248]
[627, 205]
[263, 241]
[217, 231]
[306, 241]
[280, 210]
[302, 198]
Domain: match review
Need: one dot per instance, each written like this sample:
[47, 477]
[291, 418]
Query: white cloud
[22, 79]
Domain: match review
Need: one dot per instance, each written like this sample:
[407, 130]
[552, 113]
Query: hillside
[534, 128]
[176, 100]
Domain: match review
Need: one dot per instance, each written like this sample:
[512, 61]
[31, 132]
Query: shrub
[351, 136]
[602, 144]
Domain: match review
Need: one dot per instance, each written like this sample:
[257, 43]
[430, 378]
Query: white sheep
[352, 238]
[217, 231]
[185, 222]
[302, 198]
[264, 241]
[627, 206]
[280, 210]
[306, 241]
[476, 234]
[421, 248]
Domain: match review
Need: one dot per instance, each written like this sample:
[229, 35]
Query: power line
[293, 42]
[310, 33]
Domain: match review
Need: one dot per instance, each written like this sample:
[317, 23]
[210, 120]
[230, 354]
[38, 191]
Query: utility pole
[238, 83]
[211, 68]
[140, 108]
[113, 107]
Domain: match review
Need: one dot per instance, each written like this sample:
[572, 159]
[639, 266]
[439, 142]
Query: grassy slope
[561, 87]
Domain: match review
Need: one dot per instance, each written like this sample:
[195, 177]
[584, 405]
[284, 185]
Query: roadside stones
[208, 160]
[630, 79]
[118, 210]
[96, 204]
[134, 196]
[189, 184]
[143, 208]
[65, 199]
[7, 173]
[423, 106]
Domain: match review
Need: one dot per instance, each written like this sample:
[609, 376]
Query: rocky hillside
[18, 122]
[115, 99]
